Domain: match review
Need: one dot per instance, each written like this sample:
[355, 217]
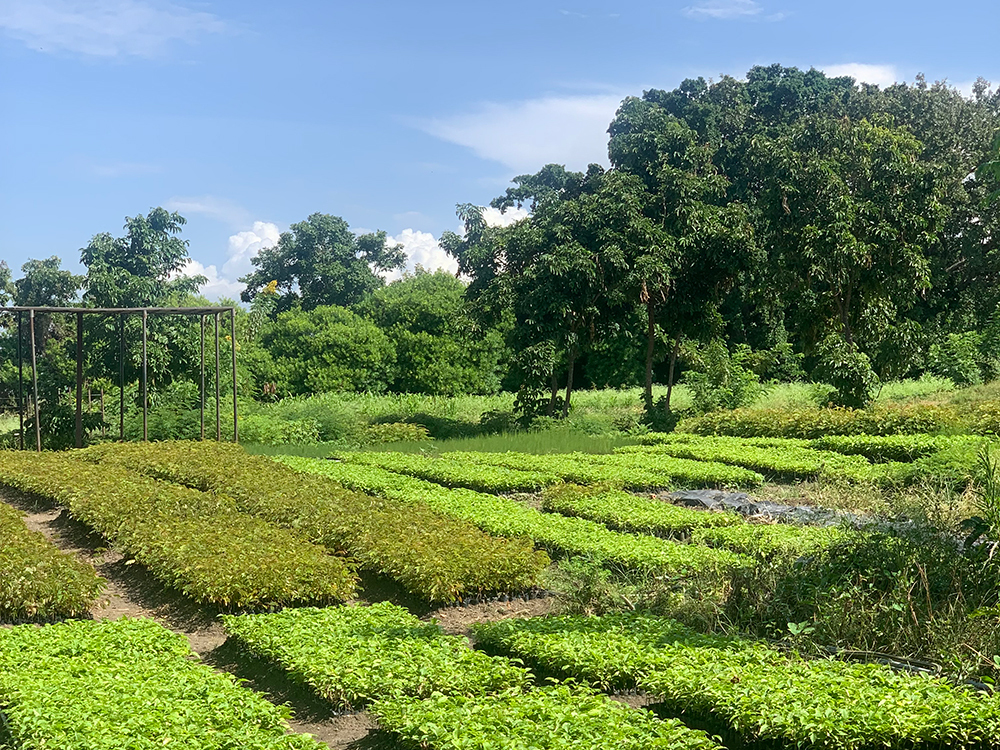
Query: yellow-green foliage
[758, 692]
[557, 717]
[110, 685]
[625, 471]
[193, 541]
[434, 556]
[353, 655]
[768, 539]
[624, 511]
[507, 517]
[452, 472]
[37, 581]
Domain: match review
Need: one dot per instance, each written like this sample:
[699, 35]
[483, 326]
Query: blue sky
[248, 116]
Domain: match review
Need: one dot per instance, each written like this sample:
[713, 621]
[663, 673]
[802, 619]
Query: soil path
[132, 592]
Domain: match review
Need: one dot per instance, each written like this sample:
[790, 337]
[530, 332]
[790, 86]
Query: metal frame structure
[121, 313]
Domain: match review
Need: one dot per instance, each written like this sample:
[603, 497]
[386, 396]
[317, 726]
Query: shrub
[353, 655]
[846, 368]
[395, 432]
[721, 380]
[37, 581]
[957, 358]
[110, 684]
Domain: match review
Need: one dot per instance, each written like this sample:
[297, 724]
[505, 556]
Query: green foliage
[37, 581]
[555, 718]
[393, 432]
[110, 684]
[782, 461]
[627, 512]
[509, 518]
[881, 448]
[455, 473]
[354, 655]
[431, 555]
[195, 542]
[817, 423]
[844, 366]
[752, 690]
[320, 261]
[328, 349]
[768, 540]
[439, 349]
[957, 358]
[719, 380]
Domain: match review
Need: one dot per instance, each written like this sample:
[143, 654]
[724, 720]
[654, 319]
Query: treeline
[784, 226]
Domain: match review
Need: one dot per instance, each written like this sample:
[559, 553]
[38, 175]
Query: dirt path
[133, 592]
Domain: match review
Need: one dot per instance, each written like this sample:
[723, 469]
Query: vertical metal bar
[79, 380]
[20, 376]
[145, 403]
[232, 336]
[218, 408]
[104, 427]
[34, 380]
[121, 378]
[203, 376]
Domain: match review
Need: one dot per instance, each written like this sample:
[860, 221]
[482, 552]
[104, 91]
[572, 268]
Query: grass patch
[539, 443]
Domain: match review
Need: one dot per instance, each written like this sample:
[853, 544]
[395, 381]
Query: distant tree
[439, 348]
[46, 284]
[320, 261]
[328, 349]
[6, 285]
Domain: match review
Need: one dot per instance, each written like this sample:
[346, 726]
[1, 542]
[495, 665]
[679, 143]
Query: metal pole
[121, 378]
[218, 408]
[145, 425]
[203, 376]
[79, 380]
[34, 379]
[232, 336]
[20, 377]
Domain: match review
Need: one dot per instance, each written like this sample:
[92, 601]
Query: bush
[721, 381]
[957, 358]
[845, 367]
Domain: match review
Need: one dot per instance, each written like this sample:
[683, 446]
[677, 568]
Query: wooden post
[218, 407]
[202, 376]
[145, 403]
[121, 378]
[79, 380]
[232, 336]
[20, 377]
[34, 380]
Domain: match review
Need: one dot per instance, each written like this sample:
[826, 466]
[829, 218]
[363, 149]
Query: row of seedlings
[635, 514]
[433, 690]
[192, 541]
[750, 690]
[509, 518]
[113, 684]
[434, 556]
[37, 580]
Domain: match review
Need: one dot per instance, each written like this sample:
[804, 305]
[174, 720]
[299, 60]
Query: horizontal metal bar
[120, 310]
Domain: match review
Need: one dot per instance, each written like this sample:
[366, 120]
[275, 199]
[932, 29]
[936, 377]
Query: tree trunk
[554, 386]
[569, 382]
[673, 361]
[650, 344]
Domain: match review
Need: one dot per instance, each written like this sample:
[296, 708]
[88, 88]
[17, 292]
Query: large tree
[320, 261]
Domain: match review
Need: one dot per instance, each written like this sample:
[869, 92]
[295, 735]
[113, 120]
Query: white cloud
[421, 249]
[881, 75]
[494, 218]
[216, 287]
[245, 245]
[726, 10]
[525, 136]
[208, 205]
[105, 28]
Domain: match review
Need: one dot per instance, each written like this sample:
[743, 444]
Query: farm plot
[642, 515]
[107, 685]
[435, 556]
[554, 718]
[195, 542]
[353, 655]
[751, 689]
[509, 518]
[37, 581]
